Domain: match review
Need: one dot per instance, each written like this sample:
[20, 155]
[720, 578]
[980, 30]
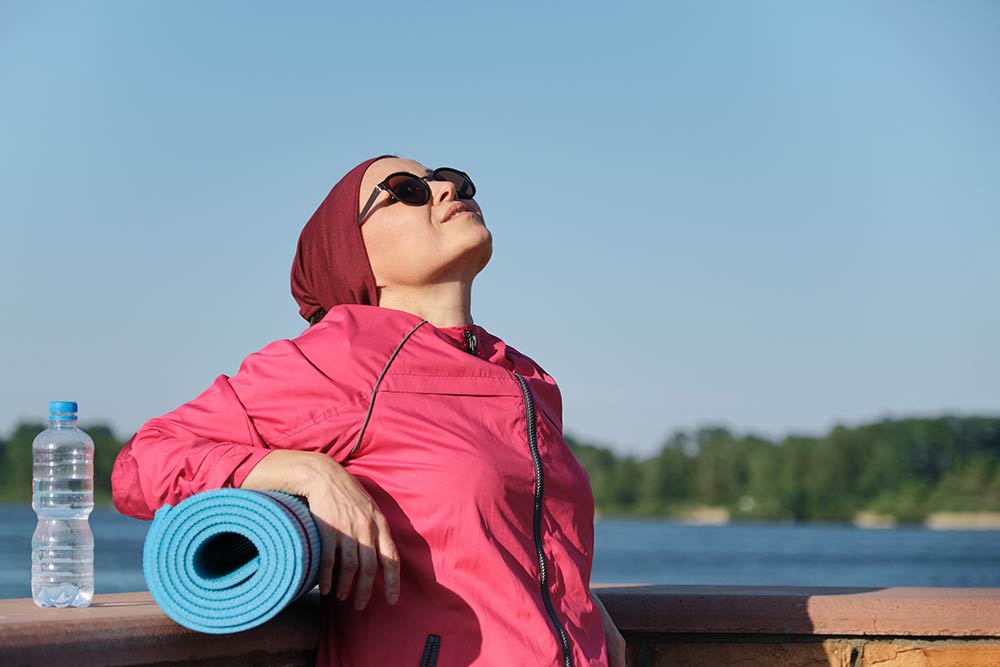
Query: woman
[430, 452]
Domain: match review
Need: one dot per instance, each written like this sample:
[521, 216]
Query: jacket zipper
[431, 648]
[470, 343]
[543, 582]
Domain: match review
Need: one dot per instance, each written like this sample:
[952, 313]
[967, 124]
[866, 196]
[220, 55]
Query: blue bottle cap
[62, 410]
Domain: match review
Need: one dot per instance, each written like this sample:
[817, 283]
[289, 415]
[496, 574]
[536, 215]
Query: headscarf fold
[331, 264]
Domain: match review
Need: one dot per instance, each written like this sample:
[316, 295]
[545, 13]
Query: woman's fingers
[347, 553]
[359, 557]
[328, 560]
[354, 534]
[368, 565]
[390, 561]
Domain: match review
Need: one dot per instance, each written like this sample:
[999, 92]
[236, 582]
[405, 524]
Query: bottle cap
[62, 410]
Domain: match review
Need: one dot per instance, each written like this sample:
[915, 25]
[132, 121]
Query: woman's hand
[351, 527]
[614, 639]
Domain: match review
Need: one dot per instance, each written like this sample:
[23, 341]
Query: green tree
[969, 486]
[18, 462]
[793, 479]
[106, 448]
[668, 478]
[599, 463]
[763, 487]
[721, 472]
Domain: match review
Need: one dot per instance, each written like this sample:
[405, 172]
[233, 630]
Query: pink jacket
[463, 453]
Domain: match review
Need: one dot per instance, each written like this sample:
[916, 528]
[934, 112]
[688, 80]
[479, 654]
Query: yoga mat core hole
[222, 554]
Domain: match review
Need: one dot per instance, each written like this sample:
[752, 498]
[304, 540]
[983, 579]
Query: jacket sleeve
[207, 443]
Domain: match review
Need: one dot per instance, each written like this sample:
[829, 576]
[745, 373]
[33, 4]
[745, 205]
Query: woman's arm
[207, 443]
[256, 430]
[278, 399]
[351, 526]
[614, 639]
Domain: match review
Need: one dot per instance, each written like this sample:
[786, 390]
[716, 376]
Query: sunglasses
[413, 190]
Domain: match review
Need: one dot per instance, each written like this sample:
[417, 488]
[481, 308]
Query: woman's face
[414, 246]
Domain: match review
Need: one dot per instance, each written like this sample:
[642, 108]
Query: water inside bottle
[62, 547]
[62, 595]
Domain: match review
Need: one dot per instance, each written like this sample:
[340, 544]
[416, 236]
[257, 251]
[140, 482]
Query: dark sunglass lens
[463, 184]
[409, 190]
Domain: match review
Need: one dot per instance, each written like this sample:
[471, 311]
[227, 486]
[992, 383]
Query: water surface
[634, 551]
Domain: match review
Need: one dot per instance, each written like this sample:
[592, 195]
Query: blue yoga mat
[230, 559]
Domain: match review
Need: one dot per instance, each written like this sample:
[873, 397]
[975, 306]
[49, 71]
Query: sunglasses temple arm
[368, 204]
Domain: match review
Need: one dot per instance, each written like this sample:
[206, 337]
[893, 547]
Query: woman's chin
[478, 255]
[465, 263]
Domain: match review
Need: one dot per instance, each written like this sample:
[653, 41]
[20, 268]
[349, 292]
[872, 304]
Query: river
[636, 551]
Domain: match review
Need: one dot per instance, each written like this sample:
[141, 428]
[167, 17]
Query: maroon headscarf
[331, 264]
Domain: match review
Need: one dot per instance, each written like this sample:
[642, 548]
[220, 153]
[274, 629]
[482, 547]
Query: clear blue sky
[773, 215]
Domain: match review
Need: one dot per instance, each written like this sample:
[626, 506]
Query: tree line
[906, 468]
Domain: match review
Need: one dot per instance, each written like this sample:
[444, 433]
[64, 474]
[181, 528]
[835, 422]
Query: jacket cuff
[249, 463]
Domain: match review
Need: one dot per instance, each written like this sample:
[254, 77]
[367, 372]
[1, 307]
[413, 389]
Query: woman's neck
[446, 304]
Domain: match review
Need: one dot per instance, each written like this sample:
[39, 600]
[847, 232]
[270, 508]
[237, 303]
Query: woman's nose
[443, 191]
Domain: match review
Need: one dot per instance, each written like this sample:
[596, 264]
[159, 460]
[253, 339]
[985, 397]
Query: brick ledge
[806, 610]
[129, 628]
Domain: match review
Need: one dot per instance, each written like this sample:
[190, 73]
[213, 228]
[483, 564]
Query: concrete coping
[132, 629]
[806, 610]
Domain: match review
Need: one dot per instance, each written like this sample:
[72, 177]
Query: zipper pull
[470, 343]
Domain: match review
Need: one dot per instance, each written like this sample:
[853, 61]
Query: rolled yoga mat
[230, 559]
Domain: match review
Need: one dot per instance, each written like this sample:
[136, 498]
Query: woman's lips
[456, 209]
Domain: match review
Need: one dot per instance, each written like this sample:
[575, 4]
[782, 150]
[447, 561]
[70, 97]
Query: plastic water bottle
[62, 548]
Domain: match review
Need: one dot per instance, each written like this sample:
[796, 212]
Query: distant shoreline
[964, 520]
[935, 520]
